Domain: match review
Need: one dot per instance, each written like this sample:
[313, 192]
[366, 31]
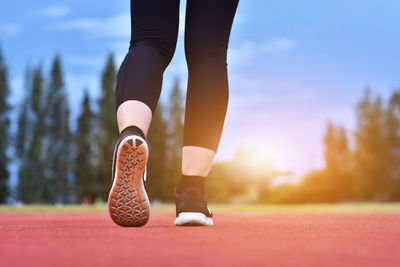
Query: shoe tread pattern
[128, 202]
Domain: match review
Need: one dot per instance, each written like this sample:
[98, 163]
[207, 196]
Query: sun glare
[265, 157]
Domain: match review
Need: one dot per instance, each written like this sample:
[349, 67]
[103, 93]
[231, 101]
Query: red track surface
[92, 239]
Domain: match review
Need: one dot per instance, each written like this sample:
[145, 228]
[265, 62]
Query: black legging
[154, 25]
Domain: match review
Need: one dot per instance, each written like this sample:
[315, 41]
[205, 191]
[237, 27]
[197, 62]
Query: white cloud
[248, 52]
[87, 61]
[278, 45]
[52, 12]
[9, 28]
[115, 26]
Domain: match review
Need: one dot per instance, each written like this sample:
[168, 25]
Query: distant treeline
[57, 164]
[368, 172]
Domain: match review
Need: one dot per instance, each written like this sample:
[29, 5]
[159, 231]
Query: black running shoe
[191, 208]
[128, 203]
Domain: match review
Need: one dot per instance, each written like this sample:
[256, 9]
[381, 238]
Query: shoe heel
[128, 203]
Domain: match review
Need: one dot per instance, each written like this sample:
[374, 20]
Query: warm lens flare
[265, 157]
[255, 160]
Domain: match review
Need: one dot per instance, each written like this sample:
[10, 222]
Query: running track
[251, 239]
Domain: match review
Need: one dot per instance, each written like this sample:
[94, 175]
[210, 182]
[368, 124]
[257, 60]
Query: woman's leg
[139, 79]
[208, 26]
[154, 28]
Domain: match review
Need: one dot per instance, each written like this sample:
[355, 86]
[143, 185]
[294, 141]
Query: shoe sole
[193, 219]
[128, 203]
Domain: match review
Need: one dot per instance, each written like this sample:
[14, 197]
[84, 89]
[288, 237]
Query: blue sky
[293, 65]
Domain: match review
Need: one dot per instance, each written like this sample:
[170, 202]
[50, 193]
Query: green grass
[343, 207]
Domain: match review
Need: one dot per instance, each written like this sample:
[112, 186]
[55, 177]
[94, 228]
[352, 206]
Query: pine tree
[176, 113]
[4, 130]
[337, 171]
[107, 133]
[371, 151]
[32, 179]
[65, 189]
[83, 163]
[157, 168]
[392, 123]
[337, 150]
[22, 136]
[58, 146]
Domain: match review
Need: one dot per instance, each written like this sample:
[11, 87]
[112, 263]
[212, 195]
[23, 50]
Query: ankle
[192, 181]
[132, 130]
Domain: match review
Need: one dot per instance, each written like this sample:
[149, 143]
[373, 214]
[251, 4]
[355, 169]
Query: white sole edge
[193, 218]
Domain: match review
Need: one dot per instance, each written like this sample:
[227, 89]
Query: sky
[293, 65]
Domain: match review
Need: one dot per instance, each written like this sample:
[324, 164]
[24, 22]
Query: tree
[32, 179]
[107, 129]
[4, 130]
[392, 122]
[337, 169]
[58, 136]
[22, 141]
[21, 144]
[157, 166]
[65, 188]
[371, 152]
[83, 167]
[175, 133]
